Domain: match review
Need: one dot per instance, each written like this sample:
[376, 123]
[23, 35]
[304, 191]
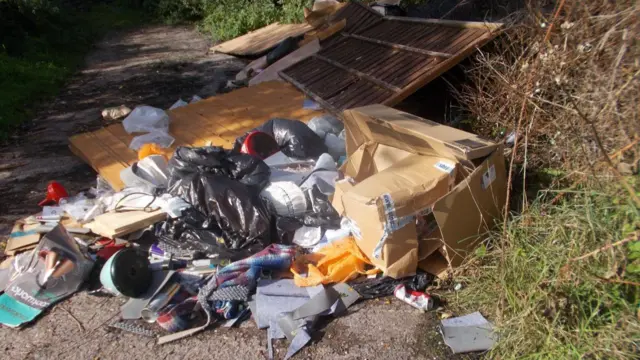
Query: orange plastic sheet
[339, 261]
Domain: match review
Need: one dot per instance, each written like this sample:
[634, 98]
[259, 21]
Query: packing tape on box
[393, 223]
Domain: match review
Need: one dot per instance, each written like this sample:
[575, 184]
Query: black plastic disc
[130, 272]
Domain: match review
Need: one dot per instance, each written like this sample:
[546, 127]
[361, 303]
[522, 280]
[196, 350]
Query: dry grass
[561, 279]
[588, 64]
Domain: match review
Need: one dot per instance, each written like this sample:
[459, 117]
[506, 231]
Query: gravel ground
[155, 66]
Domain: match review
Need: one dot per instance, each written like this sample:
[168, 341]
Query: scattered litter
[178, 103]
[376, 287]
[286, 198]
[131, 328]
[146, 119]
[115, 113]
[126, 273]
[337, 262]
[296, 222]
[158, 137]
[294, 138]
[419, 300]
[55, 269]
[468, 333]
[311, 105]
[55, 192]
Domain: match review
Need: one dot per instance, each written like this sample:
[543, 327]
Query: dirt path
[156, 65]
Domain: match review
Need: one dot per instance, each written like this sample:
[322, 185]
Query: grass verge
[41, 50]
[564, 285]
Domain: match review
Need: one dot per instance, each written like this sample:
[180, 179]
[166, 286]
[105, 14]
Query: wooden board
[116, 224]
[386, 61]
[218, 120]
[271, 72]
[259, 41]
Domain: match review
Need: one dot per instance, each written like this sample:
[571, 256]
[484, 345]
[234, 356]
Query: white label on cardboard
[488, 177]
[52, 211]
[353, 227]
[445, 166]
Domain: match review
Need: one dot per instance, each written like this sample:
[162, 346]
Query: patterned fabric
[178, 317]
[245, 272]
[236, 292]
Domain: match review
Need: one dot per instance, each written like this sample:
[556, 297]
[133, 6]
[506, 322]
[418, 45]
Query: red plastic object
[259, 144]
[106, 252]
[55, 192]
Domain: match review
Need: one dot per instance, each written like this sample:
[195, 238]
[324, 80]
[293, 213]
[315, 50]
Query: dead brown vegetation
[568, 80]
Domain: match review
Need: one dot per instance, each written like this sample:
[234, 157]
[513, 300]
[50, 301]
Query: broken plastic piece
[468, 333]
[146, 119]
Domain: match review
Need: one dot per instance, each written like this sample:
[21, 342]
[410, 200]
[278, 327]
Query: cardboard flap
[470, 209]
[405, 131]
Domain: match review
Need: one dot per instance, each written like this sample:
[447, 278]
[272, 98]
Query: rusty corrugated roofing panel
[385, 61]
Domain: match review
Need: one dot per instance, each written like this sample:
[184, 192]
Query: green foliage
[226, 19]
[176, 11]
[550, 290]
[41, 44]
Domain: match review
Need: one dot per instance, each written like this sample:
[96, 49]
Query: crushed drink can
[417, 299]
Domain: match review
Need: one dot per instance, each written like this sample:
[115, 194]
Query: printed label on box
[488, 177]
[445, 166]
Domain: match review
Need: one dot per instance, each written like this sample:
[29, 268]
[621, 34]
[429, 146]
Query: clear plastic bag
[325, 124]
[159, 138]
[178, 103]
[146, 119]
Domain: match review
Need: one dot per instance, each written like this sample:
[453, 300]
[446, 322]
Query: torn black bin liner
[223, 187]
[294, 137]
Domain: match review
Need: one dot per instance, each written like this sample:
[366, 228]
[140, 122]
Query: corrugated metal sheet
[386, 60]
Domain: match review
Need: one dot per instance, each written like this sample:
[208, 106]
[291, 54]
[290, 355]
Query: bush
[231, 18]
[567, 92]
[226, 19]
[41, 44]
[176, 11]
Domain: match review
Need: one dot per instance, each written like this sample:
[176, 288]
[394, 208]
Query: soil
[156, 66]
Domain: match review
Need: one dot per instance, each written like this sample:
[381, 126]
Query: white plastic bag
[335, 145]
[146, 119]
[178, 103]
[159, 138]
[325, 124]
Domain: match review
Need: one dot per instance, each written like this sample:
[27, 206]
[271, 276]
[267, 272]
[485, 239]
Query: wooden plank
[310, 94]
[218, 120]
[359, 74]
[400, 64]
[452, 23]
[437, 70]
[271, 72]
[261, 40]
[400, 47]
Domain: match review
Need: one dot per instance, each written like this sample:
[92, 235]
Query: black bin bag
[294, 137]
[223, 186]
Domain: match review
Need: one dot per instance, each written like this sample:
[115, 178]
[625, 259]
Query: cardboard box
[384, 206]
[386, 146]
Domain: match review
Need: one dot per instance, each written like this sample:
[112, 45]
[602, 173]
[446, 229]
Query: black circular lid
[130, 272]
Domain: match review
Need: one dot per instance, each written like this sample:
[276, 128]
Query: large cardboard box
[408, 171]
